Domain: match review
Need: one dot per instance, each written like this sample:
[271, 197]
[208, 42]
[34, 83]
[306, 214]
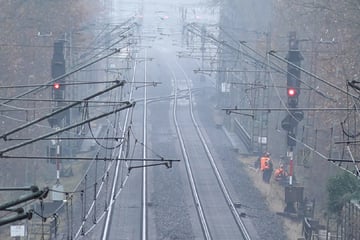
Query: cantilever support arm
[20, 216]
[25, 198]
[166, 163]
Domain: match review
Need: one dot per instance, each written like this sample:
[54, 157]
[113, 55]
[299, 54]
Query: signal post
[57, 121]
[293, 117]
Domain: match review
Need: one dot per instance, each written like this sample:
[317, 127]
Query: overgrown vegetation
[341, 189]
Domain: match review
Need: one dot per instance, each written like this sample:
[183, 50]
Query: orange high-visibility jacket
[279, 172]
[264, 163]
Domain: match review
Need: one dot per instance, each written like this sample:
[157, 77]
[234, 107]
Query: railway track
[217, 214]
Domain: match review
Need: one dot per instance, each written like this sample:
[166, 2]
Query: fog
[145, 119]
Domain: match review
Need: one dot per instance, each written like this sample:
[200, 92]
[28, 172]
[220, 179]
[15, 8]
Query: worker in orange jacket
[280, 173]
[266, 167]
[264, 161]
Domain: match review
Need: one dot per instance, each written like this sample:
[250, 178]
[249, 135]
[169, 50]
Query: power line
[285, 109]
[273, 66]
[52, 100]
[49, 46]
[63, 76]
[91, 158]
[243, 43]
[272, 53]
[67, 138]
[63, 84]
[70, 84]
[60, 110]
[65, 128]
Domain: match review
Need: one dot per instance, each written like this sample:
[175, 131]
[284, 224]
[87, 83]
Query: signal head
[291, 92]
[56, 85]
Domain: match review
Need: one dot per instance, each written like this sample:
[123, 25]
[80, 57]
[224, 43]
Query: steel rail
[144, 170]
[114, 194]
[198, 205]
[222, 185]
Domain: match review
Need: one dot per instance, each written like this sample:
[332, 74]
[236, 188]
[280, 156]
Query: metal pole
[291, 167]
[57, 163]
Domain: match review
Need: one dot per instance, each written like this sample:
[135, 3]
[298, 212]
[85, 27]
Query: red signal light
[291, 92]
[56, 85]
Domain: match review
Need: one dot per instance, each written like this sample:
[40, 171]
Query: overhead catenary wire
[62, 84]
[65, 129]
[160, 159]
[321, 155]
[60, 110]
[288, 109]
[270, 63]
[96, 140]
[113, 197]
[195, 29]
[286, 72]
[117, 50]
[114, 111]
[265, 64]
[115, 138]
[272, 53]
[61, 77]
[89, 183]
[111, 45]
[301, 142]
[118, 168]
[62, 101]
[65, 84]
[330, 109]
[316, 90]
